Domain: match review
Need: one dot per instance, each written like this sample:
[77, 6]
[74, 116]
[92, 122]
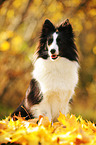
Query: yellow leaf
[92, 12]
[44, 121]
[5, 46]
[94, 50]
[10, 13]
[16, 43]
[68, 131]
[17, 3]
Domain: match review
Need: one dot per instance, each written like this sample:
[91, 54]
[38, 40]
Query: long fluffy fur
[57, 80]
[55, 76]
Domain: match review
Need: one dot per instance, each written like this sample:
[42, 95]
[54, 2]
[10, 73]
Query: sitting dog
[55, 74]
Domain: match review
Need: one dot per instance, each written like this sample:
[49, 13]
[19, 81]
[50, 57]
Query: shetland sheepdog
[55, 74]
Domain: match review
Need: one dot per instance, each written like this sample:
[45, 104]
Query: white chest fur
[57, 81]
[52, 75]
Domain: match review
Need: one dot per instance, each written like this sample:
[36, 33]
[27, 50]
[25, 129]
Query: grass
[87, 112]
[5, 111]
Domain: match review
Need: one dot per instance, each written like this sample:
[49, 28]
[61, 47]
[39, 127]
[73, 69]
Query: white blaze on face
[53, 45]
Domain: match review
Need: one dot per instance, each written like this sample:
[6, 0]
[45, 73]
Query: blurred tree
[1, 2]
[20, 25]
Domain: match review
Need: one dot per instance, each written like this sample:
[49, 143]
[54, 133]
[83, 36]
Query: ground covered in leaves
[68, 130]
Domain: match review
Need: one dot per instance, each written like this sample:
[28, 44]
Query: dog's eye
[50, 40]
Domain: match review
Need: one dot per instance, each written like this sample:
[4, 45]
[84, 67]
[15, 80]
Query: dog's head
[56, 42]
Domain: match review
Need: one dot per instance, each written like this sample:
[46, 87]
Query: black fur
[65, 40]
[67, 49]
[22, 112]
[33, 96]
[47, 29]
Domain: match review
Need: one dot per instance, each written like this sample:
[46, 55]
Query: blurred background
[20, 25]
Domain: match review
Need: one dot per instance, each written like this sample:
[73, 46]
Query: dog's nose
[52, 51]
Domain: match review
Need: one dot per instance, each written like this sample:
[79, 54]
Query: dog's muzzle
[53, 54]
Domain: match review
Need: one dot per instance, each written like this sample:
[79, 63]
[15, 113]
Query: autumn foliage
[20, 25]
[66, 131]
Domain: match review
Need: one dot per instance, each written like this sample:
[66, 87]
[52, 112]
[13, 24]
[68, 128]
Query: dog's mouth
[53, 56]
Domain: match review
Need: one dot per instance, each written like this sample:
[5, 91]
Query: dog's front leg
[42, 109]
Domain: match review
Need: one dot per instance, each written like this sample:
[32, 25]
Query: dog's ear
[66, 27]
[65, 23]
[48, 27]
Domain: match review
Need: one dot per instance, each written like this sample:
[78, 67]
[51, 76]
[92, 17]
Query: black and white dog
[55, 73]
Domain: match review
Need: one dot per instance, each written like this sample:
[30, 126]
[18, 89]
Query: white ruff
[57, 82]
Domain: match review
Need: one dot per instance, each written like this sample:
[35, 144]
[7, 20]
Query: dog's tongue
[53, 56]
